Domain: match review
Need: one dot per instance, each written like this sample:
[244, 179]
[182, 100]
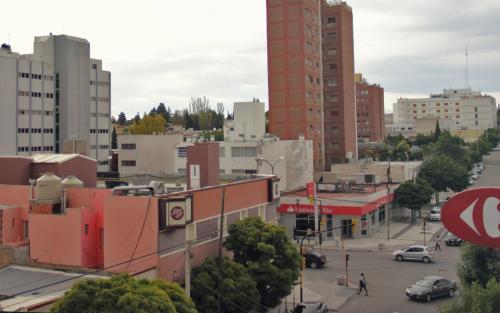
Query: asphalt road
[387, 279]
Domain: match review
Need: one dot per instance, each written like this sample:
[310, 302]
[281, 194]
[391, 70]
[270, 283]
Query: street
[387, 279]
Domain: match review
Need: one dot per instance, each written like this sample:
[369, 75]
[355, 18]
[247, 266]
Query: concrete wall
[13, 225]
[154, 154]
[248, 123]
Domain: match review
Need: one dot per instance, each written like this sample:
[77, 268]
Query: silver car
[418, 253]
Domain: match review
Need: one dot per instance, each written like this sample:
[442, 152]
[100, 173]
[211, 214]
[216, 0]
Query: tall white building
[55, 96]
[460, 109]
[248, 122]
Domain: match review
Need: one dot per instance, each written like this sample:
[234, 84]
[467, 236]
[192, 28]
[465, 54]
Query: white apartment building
[53, 97]
[461, 109]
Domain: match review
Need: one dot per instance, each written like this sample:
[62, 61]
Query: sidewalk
[401, 235]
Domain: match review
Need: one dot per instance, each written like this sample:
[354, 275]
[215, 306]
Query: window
[94, 66]
[128, 146]
[334, 98]
[332, 35]
[332, 20]
[181, 171]
[182, 152]
[332, 67]
[477, 123]
[475, 109]
[241, 152]
[332, 83]
[86, 229]
[332, 51]
[128, 162]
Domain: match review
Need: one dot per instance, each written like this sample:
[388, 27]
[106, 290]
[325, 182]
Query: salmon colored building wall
[15, 195]
[15, 170]
[13, 225]
[125, 238]
[56, 239]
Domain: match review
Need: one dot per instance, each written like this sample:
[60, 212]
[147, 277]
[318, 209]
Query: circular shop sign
[177, 213]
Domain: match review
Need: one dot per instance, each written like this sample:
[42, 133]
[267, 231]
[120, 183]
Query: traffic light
[346, 260]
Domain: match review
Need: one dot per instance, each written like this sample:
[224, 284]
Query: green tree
[272, 260]
[402, 150]
[122, 119]
[478, 264]
[443, 173]
[114, 139]
[228, 278]
[437, 131]
[149, 124]
[123, 293]
[476, 299]
[423, 140]
[162, 109]
[413, 196]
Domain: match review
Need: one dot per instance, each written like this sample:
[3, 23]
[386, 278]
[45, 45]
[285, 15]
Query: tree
[228, 278]
[413, 196]
[272, 260]
[422, 140]
[437, 131]
[122, 119]
[153, 111]
[478, 264]
[113, 120]
[123, 293]
[136, 118]
[162, 109]
[114, 139]
[149, 124]
[443, 173]
[476, 299]
[402, 150]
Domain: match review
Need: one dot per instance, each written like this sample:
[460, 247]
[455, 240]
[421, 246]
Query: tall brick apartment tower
[294, 72]
[369, 110]
[311, 76]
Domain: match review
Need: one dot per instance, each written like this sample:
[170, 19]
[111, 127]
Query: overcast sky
[168, 51]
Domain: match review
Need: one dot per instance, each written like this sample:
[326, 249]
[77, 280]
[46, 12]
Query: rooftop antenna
[466, 67]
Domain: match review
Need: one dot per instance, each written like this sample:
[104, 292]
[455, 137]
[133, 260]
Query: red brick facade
[370, 112]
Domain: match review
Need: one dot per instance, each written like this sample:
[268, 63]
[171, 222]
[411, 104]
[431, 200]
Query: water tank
[48, 187]
[72, 182]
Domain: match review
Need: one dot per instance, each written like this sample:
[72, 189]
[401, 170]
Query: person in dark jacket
[362, 285]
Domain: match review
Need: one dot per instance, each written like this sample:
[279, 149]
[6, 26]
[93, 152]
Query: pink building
[135, 234]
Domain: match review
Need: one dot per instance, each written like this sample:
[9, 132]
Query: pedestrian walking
[362, 285]
[437, 246]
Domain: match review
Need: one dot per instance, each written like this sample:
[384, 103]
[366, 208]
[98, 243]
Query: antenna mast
[466, 67]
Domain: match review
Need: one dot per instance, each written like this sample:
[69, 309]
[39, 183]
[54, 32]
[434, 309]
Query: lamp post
[271, 164]
[388, 217]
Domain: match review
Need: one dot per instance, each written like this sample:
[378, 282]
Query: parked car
[314, 259]
[452, 240]
[475, 176]
[311, 307]
[435, 214]
[431, 287]
[471, 181]
[418, 253]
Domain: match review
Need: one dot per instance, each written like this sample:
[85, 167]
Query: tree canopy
[476, 299]
[122, 119]
[123, 293]
[148, 125]
[413, 195]
[272, 260]
[228, 278]
[443, 173]
[478, 264]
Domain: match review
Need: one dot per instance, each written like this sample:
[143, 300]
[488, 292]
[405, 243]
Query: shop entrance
[346, 228]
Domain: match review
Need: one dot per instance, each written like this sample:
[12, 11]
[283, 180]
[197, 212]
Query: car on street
[452, 240]
[435, 214]
[431, 287]
[416, 253]
[311, 307]
[314, 259]
[475, 176]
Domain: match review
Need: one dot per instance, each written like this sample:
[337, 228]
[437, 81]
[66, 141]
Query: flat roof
[57, 158]
[23, 286]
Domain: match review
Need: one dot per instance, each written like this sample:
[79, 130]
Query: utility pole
[219, 259]
[424, 233]
[187, 280]
[389, 201]
[316, 213]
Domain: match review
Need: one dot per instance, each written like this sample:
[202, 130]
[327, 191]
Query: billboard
[474, 216]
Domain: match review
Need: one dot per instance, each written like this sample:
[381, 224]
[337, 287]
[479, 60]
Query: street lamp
[272, 165]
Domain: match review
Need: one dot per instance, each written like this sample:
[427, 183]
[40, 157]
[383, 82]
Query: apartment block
[55, 96]
[455, 109]
[369, 111]
[311, 76]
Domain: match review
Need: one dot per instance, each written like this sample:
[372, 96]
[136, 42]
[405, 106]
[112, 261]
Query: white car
[475, 176]
[435, 214]
[418, 253]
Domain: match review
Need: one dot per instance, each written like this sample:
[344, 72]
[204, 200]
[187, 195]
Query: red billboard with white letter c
[474, 216]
